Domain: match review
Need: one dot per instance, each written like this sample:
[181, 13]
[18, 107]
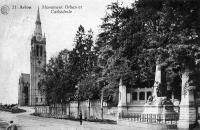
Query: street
[25, 121]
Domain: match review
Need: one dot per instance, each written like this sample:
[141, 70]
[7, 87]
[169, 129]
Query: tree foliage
[135, 39]
[131, 42]
[71, 68]
[59, 86]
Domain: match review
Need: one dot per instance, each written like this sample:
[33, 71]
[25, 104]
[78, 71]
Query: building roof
[24, 77]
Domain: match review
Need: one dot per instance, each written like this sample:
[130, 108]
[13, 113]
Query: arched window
[36, 99]
[37, 50]
[41, 50]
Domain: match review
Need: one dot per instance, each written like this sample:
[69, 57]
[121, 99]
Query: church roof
[25, 77]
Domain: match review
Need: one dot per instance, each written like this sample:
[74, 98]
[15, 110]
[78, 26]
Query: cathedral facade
[29, 86]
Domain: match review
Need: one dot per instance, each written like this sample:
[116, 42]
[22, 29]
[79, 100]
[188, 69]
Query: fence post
[69, 109]
[89, 110]
[164, 108]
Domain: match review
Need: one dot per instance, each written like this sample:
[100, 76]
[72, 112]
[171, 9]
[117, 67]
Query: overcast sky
[18, 26]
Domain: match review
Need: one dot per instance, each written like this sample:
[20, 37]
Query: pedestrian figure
[12, 126]
[80, 115]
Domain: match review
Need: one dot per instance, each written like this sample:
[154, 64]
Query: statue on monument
[158, 90]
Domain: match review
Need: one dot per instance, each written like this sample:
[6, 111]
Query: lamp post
[35, 101]
[102, 93]
[77, 87]
[69, 106]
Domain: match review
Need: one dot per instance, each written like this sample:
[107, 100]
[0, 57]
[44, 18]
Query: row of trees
[131, 42]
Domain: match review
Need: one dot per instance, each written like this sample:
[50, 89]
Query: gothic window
[41, 50]
[25, 90]
[39, 85]
[37, 50]
[36, 99]
[142, 96]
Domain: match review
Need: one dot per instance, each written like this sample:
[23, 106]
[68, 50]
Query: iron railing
[150, 118]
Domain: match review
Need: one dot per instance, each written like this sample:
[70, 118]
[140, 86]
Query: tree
[83, 60]
[134, 39]
[59, 85]
[120, 48]
[174, 35]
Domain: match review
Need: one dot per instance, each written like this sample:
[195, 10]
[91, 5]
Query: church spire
[38, 28]
[38, 17]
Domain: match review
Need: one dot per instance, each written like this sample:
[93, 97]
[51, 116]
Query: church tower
[37, 62]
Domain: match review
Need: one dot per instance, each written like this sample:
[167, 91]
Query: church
[29, 86]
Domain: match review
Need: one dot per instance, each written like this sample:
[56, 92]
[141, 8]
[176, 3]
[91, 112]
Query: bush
[17, 110]
[36, 114]
[11, 108]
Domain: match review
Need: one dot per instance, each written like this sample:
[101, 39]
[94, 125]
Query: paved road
[25, 121]
[3, 124]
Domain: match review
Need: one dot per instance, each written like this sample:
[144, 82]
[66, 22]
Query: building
[32, 95]
[24, 86]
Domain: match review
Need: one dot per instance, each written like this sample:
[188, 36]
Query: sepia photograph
[100, 65]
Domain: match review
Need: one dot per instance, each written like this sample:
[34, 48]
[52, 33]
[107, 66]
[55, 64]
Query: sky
[18, 25]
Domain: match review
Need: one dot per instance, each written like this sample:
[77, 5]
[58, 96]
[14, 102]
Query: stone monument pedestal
[155, 107]
[159, 105]
[122, 104]
[162, 107]
[188, 112]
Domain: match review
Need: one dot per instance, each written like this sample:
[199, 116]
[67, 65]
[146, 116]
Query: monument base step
[144, 125]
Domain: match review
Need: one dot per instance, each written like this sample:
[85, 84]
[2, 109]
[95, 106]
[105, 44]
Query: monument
[122, 103]
[161, 105]
[188, 111]
[158, 103]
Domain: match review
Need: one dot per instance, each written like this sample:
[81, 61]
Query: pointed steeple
[38, 17]
[38, 28]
